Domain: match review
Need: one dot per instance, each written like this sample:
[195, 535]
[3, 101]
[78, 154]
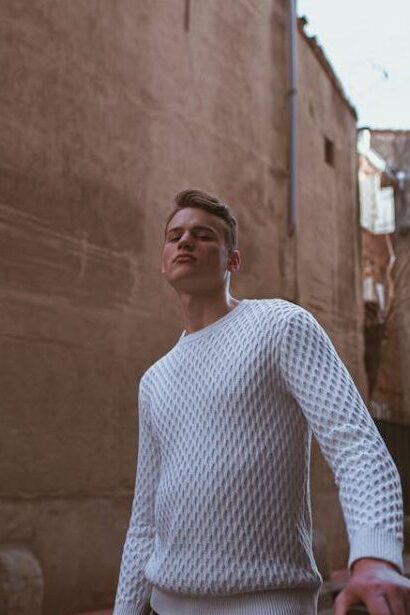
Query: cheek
[216, 259]
[166, 254]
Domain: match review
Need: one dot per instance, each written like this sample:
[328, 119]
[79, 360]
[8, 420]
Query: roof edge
[326, 65]
[396, 131]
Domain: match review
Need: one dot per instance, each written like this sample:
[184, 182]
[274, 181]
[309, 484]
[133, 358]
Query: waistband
[289, 601]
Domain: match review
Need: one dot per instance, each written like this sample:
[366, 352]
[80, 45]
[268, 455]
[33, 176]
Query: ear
[234, 262]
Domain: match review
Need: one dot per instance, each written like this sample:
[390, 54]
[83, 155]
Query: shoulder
[143, 387]
[156, 372]
[291, 323]
[146, 380]
[279, 312]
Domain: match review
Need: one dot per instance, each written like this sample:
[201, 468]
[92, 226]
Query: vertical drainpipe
[292, 111]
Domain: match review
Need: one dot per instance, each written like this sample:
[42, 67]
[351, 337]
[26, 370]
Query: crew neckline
[188, 337]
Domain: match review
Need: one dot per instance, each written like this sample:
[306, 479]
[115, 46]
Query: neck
[200, 311]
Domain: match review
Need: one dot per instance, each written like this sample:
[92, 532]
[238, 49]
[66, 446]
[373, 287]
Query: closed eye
[205, 237]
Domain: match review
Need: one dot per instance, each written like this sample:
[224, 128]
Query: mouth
[183, 257]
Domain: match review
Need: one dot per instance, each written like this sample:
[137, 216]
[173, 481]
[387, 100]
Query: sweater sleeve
[134, 591]
[366, 476]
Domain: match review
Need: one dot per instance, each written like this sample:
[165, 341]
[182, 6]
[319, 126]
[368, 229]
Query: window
[329, 152]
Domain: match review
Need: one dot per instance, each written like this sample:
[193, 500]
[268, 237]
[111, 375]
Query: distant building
[384, 183]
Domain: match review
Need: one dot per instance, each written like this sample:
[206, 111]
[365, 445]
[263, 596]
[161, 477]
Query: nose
[185, 239]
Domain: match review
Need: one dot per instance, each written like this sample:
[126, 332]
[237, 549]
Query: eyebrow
[196, 227]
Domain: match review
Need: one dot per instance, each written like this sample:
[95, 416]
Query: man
[221, 519]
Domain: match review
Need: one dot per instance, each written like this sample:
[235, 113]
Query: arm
[368, 481]
[134, 591]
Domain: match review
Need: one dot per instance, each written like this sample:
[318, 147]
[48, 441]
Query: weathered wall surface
[107, 110]
[392, 394]
[328, 254]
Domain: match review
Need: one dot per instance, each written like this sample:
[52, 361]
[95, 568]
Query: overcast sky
[368, 45]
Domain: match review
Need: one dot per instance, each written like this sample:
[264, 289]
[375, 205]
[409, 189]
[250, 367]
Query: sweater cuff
[130, 608]
[376, 543]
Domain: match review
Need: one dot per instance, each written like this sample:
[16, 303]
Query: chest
[216, 388]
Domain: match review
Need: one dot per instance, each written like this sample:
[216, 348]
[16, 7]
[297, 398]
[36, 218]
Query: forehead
[190, 217]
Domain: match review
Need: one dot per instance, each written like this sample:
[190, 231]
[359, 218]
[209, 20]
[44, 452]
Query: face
[201, 235]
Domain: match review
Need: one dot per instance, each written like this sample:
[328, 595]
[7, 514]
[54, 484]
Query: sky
[368, 44]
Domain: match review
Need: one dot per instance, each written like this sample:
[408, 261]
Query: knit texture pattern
[222, 503]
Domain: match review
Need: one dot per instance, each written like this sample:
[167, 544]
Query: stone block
[21, 582]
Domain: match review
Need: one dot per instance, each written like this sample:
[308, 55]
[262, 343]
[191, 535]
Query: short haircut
[211, 204]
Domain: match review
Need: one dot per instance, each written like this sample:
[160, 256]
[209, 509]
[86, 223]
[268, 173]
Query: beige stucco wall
[107, 110]
[328, 251]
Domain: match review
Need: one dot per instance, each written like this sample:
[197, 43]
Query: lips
[183, 257]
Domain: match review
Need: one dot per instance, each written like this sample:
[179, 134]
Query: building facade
[386, 257]
[108, 110]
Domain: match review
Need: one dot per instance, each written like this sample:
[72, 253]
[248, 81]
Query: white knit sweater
[222, 503]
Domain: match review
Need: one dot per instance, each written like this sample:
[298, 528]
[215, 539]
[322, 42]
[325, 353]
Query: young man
[221, 518]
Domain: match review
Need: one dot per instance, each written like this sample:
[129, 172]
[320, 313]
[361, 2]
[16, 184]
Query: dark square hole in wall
[329, 152]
